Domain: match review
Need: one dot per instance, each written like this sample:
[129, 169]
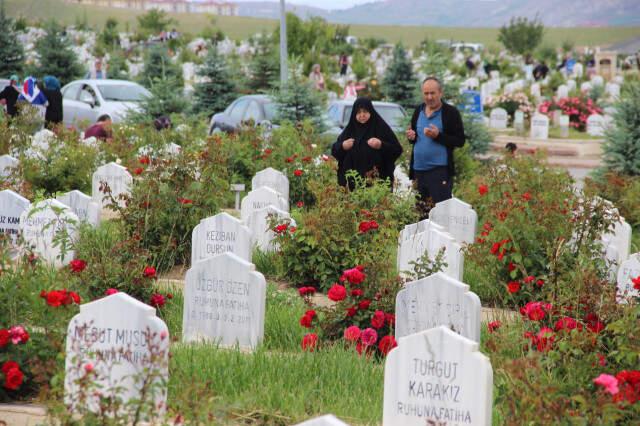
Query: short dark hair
[433, 78]
[103, 118]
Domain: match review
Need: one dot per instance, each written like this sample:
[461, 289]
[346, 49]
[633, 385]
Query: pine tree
[163, 101]
[264, 67]
[622, 145]
[297, 101]
[11, 51]
[218, 90]
[158, 66]
[56, 57]
[399, 82]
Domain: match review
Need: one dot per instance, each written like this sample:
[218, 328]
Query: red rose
[289, 159]
[593, 323]
[356, 292]
[309, 342]
[390, 319]
[297, 172]
[9, 365]
[13, 379]
[544, 339]
[110, 291]
[352, 311]
[511, 267]
[292, 229]
[144, 159]
[306, 159]
[4, 337]
[77, 265]
[337, 293]
[386, 344]
[300, 204]
[483, 189]
[629, 384]
[636, 282]
[535, 311]
[75, 297]
[149, 272]
[377, 321]
[513, 287]
[306, 321]
[354, 275]
[529, 279]
[364, 304]
[567, 323]
[138, 171]
[540, 282]
[495, 248]
[352, 333]
[55, 298]
[280, 228]
[363, 227]
[493, 326]
[157, 300]
[268, 151]
[526, 196]
[185, 201]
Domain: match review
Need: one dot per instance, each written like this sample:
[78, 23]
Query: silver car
[339, 112]
[83, 101]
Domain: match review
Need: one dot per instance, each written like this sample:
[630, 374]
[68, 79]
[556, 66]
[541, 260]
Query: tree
[56, 57]
[158, 66]
[109, 36]
[218, 90]
[521, 36]
[264, 67]
[622, 144]
[11, 51]
[399, 82]
[154, 22]
[163, 101]
[297, 101]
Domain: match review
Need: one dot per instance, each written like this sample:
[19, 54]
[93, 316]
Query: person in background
[351, 90]
[9, 96]
[97, 72]
[344, 64]
[51, 89]
[436, 130]
[540, 71]
[101, 130]
[367, 145]
[317, 78]
[161, 123]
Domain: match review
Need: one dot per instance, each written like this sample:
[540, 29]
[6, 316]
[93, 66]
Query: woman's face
[363, 116]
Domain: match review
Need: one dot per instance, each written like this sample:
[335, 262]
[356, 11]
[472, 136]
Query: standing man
[9, 96]
[436, 130]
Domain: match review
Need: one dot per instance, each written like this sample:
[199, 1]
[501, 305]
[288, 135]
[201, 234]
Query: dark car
[258, 108]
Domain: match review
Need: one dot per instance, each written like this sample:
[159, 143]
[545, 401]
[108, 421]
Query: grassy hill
[241, 27]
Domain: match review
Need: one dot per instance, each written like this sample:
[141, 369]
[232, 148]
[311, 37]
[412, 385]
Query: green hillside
[242, 27]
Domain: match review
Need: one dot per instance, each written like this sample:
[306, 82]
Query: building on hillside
[224, 8]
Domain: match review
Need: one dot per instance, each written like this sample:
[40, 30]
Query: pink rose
[608, 382]
[369, 336]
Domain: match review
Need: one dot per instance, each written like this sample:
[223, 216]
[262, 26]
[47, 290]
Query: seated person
[101, 130]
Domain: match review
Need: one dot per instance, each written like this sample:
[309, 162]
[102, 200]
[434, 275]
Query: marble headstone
[630, 269]
[82, 205]
[224, 302]
[437, 377]
[563, 91]
[273, 179]
[498, 118]
[413, 243]
[220, 234]
[263, 234]
[439, 239]
[539, 127]
[326, 420]
[118, 179]
[12, 206]
[7, 163]
[112, 335]
[595, 125]
[456, 217]
[259, 198]
[438, 300]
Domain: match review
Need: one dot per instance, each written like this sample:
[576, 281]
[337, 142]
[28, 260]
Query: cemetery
[181, 276]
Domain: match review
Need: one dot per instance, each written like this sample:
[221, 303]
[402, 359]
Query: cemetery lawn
[238, 27]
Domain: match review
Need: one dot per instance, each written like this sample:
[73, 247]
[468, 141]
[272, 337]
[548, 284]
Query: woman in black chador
[367, 145]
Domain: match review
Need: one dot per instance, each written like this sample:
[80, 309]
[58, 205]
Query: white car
[83, 101]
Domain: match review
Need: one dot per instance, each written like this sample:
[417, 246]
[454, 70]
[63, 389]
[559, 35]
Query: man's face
[431, 93]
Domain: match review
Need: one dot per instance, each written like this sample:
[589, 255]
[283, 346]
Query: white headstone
[597, 80]
[498, 118]
[82, 205]
[437, 377]
[586, 87]
[571, 84]
[563, 91]
[438, 300]
[509, 88]
[439, 239]
[613, 90]
[7, 163]
[259, 198]
[564, 126]
[118, 179]
[630, 269]
[578, 70]
[539, 127]
[273, 179]
[326, 420]
[263, 234]
[45, 226]
[220, 234]
[112, 335]
[535, 90]
[495, 75]
[620, 236]
[456, 217]
[224, 302]
[413, 242]
[12, 206]
[595, 125]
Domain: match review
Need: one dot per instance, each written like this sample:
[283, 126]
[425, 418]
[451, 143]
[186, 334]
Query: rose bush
[577, 108]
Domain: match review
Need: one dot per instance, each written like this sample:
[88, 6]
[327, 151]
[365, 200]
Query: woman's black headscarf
[362, 158]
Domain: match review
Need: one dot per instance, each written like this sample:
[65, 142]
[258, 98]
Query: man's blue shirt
[428, 154]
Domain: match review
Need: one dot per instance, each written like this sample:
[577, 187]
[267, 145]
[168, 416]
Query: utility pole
[283, 44]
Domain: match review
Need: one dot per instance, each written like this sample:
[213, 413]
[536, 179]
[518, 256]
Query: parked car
[339, 112]
[86, 100]
[259, 108]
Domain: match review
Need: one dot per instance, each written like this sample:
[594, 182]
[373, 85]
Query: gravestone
[535, 90]
[82, 205]
[595, 125]
[562, 92]
[118, 179]
[326, 420]
[456, 217]
[439, 239]
[113, 335]
[518, 121]
[611, 257]
[7, 163]
[564, 126]
[220, 234]
[437, 377]
[224, 302]
[44, 227]
[597, 80]
[578, 70]
[413, 244]
[438, 300]
[273, 179]
[586, 87]
[539, 127]
[259, 198]
[571, 84]
[262, 234]
[498, 118]
[620, 236]
[495, 75]
[629, 270]
[613, 90]
[12, 206]
[509, 88]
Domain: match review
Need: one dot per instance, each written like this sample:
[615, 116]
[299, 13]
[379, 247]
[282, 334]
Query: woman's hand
[348, 144]
[375, 143]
